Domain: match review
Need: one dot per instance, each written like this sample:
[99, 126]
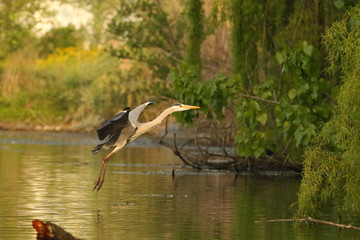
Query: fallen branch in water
[51, 231]
[210, 151]
[310, 219]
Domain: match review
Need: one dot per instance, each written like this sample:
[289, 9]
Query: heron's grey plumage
[110, 131]
[124, 128]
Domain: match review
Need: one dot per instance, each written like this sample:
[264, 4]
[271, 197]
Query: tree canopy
[17, 18]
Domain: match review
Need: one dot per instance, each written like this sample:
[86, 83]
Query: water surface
[49, 176]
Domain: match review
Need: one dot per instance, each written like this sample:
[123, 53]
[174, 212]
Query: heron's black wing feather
[108, 143]
[114, 124]
[119, 116]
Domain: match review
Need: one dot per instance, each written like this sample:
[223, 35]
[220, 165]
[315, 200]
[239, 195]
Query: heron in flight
[124, 128]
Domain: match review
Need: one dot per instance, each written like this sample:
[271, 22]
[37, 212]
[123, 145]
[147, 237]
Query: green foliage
[92, 84]
[69, 86]
[332, 162]
[62, 37]
[212, 95]
[186, 79]
[292, 120]
[304, 106]
[195, 34]
[17, 18]
[251, 135]
[236, 35]
[148, 34]
[278, 93]
[245, 18]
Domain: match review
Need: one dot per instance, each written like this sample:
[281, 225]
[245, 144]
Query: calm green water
[49, 176]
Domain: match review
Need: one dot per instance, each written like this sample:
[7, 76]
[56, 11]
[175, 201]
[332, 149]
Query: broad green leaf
[286, 124]
[303, 88]
[288, 114]
[298, 135]
[258, 151]
[255, 105]
[280, 57]
[308, 49]
[197, 88]
[221, 76]
[230, 82]
[267, 94]
[262, 118]
[309, 132]
[292, 93]
[296, 122]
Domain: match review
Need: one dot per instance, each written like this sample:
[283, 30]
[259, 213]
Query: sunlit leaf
[262, 118]
[259, 151]
[280, 57]
[308, 49]
[292, 93]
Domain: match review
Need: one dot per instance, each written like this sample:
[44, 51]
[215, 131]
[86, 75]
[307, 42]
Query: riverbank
[23, 126]
[182, 133]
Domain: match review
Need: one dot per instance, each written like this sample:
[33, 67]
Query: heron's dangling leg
[97, 182]
[101, 178]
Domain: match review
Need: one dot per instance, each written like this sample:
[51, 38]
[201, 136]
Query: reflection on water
[50, 177]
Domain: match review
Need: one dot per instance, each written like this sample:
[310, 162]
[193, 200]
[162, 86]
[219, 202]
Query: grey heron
[124, 128]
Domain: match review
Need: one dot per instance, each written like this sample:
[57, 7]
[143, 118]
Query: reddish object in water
[51, 231]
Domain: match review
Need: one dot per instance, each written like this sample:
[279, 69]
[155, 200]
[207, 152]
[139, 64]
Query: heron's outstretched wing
[114, 124]
[135, 113]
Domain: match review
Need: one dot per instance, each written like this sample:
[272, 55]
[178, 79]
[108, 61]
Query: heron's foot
[98, 184]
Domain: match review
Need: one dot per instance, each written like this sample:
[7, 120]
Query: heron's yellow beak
[190, 107]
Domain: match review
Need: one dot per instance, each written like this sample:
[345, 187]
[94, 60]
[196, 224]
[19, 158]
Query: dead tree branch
[310, 219]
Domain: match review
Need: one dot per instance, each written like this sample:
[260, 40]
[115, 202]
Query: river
[49, 176]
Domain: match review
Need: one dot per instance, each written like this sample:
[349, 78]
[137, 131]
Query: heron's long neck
[145, 127]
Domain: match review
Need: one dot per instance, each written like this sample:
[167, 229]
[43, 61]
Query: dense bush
[70, 85]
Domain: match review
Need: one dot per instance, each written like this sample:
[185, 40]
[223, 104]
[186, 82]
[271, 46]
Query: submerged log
[51, 231]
